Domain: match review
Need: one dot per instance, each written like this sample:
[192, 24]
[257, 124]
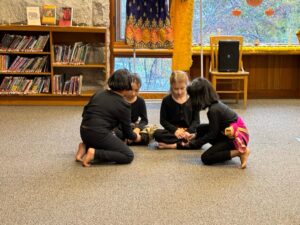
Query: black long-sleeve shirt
[219, 116]
[138, 111]
[105, 111]
[174, 115]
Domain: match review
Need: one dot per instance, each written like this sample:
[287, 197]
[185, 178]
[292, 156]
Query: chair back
[214, 48]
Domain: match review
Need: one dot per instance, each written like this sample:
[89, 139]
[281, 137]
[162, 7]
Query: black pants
[119, 133]
[107, 149]
[220, 149]
[165, 136]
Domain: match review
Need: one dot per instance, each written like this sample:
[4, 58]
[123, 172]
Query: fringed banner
[181, 20]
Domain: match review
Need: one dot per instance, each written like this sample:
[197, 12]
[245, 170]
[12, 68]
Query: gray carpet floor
[40, 183]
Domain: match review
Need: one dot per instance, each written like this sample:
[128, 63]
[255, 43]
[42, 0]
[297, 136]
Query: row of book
[79, 53]
[24, 64]
[23, 85]
[19, 43]
[72, 86]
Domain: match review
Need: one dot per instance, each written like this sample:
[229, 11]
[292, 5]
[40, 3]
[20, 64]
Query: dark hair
[136, 79]
[202, 93]
[120, 80]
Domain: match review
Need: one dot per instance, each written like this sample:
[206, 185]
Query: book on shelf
[6, 41]
[40, 44]
[14, 43]
[67, 86]
[23, 85]
[28, 86]
[4, 62]
[5, 84]
[26, 64]
[49, 14]
[65, 16]
[33, 15]
[58, 82]
[36, 86]
[17, 81]
[79, 54]
[24, 43]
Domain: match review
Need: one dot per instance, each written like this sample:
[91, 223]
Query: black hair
[202, 93]
[120, 80]
[136, 79]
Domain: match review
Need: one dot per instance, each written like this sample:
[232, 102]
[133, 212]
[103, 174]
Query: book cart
[62, 66]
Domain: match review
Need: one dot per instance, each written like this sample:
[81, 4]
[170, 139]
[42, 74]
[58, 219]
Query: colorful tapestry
[181, 19]
[148, 24]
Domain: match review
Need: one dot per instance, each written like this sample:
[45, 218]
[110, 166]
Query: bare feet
[80, 152]
[89, 156]
[244, 157]
[162, 145]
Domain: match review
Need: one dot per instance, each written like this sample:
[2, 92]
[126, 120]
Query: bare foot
[162, 145]
[80, 152]
[89, 156]
[244, 157]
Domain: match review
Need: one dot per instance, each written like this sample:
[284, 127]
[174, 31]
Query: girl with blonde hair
[177, 117]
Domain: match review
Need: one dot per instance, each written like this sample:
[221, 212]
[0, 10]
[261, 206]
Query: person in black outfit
[177, 117]
[226, 131]
[139, 117]
[105, 111]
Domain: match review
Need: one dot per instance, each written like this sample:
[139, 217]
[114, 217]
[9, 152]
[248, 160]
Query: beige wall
[88, 12]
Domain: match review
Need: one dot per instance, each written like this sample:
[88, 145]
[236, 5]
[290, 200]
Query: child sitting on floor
[139, 118]
[106, 110]
[177, 117]
[226, 131]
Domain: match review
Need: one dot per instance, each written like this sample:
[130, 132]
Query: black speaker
[228, 56]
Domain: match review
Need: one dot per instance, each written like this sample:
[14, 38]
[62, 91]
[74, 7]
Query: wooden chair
[234, 77]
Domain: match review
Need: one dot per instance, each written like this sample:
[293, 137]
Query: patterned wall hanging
[148, 24]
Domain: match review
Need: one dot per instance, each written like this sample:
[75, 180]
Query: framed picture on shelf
[33, 15]
[49, 15]
[65, 16]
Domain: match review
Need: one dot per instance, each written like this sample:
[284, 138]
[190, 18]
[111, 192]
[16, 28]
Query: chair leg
[214, 82]
[245, 91]
[238, 88]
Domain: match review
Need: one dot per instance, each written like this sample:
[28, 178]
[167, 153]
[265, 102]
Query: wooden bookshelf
[94, 74]
[24, 73]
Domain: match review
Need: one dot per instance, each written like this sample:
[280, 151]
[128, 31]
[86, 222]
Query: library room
[158, 112]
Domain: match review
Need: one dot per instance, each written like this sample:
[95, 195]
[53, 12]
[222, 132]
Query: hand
[138, 138]
[186, 135]
[191, 136]
[179, 133]
[137, 130]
